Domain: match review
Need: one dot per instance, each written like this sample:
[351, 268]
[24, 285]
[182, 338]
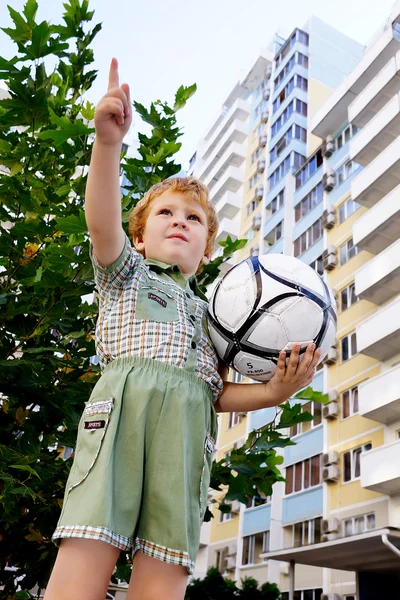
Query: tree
[47, 313]
[215, 587]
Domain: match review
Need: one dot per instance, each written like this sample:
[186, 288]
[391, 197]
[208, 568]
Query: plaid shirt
[147, 308]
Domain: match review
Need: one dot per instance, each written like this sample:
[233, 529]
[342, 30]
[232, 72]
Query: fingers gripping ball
[267, 304]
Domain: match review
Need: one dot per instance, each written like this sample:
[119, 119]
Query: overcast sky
[161, 44]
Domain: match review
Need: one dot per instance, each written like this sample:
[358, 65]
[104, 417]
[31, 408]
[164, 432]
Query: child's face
[176, 232]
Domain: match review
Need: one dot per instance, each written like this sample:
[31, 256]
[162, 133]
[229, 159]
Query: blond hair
[192, 190]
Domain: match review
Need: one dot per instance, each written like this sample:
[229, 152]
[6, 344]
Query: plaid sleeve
[115, 275]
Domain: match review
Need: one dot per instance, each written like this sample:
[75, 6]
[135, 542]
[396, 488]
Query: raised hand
[113, 115]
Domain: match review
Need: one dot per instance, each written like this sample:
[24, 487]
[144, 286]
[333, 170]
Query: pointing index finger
[113, 77]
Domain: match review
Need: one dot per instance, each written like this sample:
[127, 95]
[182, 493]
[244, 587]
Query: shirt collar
[175, 273]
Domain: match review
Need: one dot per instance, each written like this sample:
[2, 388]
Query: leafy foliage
[215, 587]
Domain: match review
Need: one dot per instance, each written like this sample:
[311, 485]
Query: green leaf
[73, 224]
[25, 468]
[182, 96]
[30, 10]
[22, 31]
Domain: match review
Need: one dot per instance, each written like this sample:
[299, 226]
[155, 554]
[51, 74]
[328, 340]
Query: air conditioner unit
[328, 147]
[329, 218]
[329, 258]
[331, 597]
[330, 474]
[284, 567]
[328, 180]
[266, 94]
[261, 165]
[333, 396]
[257, 221]
[330, 458]
[330, 411]
[254, 251]
[259, 192]
[235, 506]
[330, 359]
[268, 71]
[232, 550]
[264, 115]
[331, 525]
[263, 139]
[230, 563]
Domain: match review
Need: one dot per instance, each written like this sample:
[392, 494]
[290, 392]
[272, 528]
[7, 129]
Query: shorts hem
[168, 555]
[89, 532]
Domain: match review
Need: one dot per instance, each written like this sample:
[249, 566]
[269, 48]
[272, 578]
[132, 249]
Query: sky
[162, 44]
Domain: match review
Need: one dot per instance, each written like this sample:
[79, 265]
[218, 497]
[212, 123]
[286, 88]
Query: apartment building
[281, 209]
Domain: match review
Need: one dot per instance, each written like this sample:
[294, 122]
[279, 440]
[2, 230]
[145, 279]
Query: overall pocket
[92, 430]
[209, 446]
[155, 304]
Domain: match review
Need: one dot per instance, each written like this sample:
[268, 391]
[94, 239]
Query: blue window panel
[257, 519]
[295, 118]
[297, 47]
[275, 191]
[313, 252]
[273, 221]
[339, 157]
[302, 506]
[296, 93]
[307, 444]
[306, 188]
[293, 146]
[297, 69]
[276, 248]
[259, 418]
[318, 382]
[339, 191]
[306, 222]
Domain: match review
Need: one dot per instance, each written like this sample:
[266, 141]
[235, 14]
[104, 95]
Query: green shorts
[142, 463]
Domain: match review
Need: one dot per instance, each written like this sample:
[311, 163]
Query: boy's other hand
[113, 115]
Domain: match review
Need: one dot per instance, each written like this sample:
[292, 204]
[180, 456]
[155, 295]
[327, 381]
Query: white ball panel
[254, 367]
[219, 342]
[268, 333]
[310, 279]
[302, 320]
[235, 297]
[330, 338]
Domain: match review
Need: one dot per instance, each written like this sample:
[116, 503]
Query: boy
[142, 462]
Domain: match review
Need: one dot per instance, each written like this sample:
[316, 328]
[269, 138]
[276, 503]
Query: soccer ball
[266, 304]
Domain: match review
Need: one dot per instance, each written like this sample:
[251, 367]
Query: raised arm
[112, 120]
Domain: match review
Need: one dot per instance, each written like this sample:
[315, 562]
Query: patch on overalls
[210, 444]
[100, 406]
[94, 424]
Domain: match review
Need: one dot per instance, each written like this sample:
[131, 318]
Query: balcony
[378, 134]
[228, 206]
[379, 335]
[379, 397]
[238, 133]
[380, 469]
[240, 110]
[231, 181]
[233, 156]
[380, 177]
[335, 110]
[227, 227]
[380, 226]
[374, 97]
[379, 279]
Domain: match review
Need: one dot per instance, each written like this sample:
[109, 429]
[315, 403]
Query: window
[312, 165]
[274, 235]
[259, 108]
[345, 135]
[298, 36]
[297, 58]
[360, 524]
[220, 557]
[345, 171]
[294, 132]
[225, 517]
[308, 238]
[308, 203]
[234, 419]
[296, 106]
[293, 160]
[347, 209]
[317, 265]
[296, 81]
[276, 203]
[349, 346]
[258, 501]
[253, 180]
[314, 408]
[305, 533]
[347, 251]
[254, 204]
[256, 154]
[303, 475]
[304, 595]
[348, 297]
[258, 130]
[253, 546]
[351, 462]
[350, 402]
